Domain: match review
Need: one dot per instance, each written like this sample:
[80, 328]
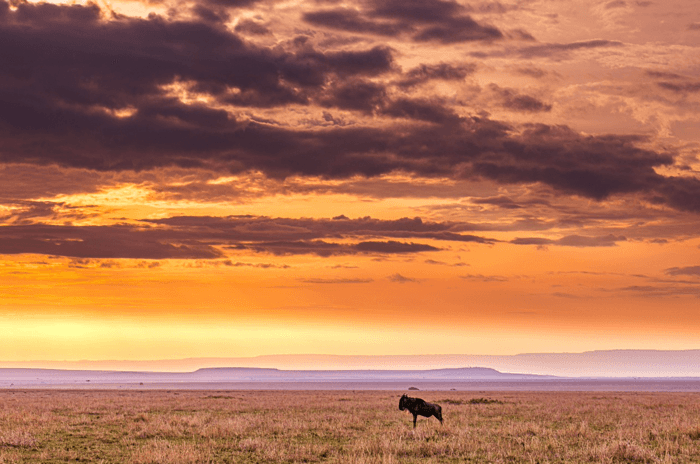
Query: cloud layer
[85, 90]
[122, 113]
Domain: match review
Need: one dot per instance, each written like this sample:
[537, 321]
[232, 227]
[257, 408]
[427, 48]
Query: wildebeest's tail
[438, 413]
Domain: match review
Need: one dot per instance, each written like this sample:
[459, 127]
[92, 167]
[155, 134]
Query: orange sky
[238, 178]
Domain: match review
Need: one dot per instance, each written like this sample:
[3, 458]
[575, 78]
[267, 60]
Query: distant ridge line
[33, 378]
[596, 363]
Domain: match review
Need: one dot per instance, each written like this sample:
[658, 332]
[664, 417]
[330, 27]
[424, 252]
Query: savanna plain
[158, 426]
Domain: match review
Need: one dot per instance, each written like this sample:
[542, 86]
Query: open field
[554, 385]
[111, 426]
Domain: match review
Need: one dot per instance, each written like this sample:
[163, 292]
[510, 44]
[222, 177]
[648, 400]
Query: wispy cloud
[687, 270]
[485, 278]
[400, 279]
[336, 281]
[572, 241]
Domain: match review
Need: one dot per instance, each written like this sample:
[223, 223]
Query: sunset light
[213, 179]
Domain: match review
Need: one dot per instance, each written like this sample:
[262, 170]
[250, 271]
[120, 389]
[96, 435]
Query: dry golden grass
[164, 427]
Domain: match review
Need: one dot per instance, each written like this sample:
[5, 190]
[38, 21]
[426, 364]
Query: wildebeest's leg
[415, 416]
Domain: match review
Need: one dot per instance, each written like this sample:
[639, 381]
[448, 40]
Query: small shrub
[484, 401]
[450, 401]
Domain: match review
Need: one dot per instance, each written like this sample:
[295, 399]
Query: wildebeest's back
[425, 409]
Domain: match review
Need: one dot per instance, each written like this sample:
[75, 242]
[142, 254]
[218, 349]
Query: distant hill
[609, 363]
[51, 377]
[465, 373]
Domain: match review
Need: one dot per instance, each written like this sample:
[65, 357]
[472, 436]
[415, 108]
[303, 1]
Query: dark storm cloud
[422, 110]
[423, 11]
[349, 20]
[459, 29]
[299, 247]
[92, 263]
[248, 26]
[303, 232]
[682, 193]
[67, 73]
[232, 3]
[326, 249]
[393, 247]
[211, 15]
[63, 64]
[26, 212]
[515, 101]
[219, 11]
[524, 103]
[594, 167]
[98, 242]
[372, 98]
[500, 201]
[349, 63]
[357, 95]
[24, 181]
[422, 20]
[441, 71]
[203, 238]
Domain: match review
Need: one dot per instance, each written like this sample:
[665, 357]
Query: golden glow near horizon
[80, 339]
[286, 178]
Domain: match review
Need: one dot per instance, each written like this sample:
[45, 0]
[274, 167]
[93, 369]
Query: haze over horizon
[236, 178]
[610, 363]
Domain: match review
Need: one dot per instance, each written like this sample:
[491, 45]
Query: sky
[251, 177]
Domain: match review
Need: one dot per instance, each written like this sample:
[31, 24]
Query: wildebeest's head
[402, 402]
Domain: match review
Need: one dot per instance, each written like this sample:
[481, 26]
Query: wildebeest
[417, 406]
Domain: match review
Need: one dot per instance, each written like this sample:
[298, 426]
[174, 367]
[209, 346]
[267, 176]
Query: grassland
[142, 427]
